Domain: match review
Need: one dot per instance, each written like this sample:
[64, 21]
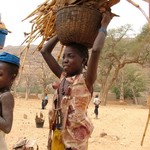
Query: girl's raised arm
[50, 60]
[96, 50]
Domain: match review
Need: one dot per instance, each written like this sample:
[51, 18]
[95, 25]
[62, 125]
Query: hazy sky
[13, 12]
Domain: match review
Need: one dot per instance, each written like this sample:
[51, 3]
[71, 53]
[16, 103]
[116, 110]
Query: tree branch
[138, 6]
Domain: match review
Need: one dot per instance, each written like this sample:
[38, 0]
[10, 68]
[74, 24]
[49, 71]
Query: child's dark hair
[83, 51]
[96, 95]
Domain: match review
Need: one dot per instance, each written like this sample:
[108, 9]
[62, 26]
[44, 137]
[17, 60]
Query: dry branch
[143, 12]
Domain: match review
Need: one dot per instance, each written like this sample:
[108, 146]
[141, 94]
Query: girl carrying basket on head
[68, 119]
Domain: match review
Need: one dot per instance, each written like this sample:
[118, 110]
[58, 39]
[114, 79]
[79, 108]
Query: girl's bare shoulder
[6, 95]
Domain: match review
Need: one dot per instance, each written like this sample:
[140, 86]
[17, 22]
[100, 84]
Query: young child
[96, 102]
[9, 66]
[44, 100]
[71, 125]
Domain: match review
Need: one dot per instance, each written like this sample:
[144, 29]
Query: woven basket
[39, 124]
[78, 24]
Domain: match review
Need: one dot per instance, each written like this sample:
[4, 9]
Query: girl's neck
[71, 75]
[67, 75]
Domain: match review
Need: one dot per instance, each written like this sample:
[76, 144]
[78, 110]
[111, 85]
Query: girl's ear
[84, 62]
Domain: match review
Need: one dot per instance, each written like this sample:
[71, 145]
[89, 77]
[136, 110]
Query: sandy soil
[124, 126]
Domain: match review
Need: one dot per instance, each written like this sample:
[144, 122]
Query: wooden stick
[143, 12]
[35, 11]
[145, 128]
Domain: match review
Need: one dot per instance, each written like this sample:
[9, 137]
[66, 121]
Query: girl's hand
[106, 19]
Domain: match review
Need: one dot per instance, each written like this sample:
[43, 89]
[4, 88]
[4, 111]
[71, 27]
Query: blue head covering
[9, 58]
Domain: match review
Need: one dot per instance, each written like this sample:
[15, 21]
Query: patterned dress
[72, 104]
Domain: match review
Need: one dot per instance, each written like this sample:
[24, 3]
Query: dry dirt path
[124, 126]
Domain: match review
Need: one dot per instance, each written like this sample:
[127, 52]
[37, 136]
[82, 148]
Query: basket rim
[83, 6]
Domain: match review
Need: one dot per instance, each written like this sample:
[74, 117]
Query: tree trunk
[122, 88]
[27, 93]
[108, 83]
[105, 99]
[104, 94]
[134, 96]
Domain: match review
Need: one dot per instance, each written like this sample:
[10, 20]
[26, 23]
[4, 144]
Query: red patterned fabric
[76, 126]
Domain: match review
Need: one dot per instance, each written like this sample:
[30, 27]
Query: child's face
[5, 76]
[72, 61]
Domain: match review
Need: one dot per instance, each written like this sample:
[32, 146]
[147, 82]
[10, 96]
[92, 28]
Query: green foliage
[144, 33]
[134, 78]
[34, 89]
[96, 88]
[21, 89]
[127, 92]
[116, 90]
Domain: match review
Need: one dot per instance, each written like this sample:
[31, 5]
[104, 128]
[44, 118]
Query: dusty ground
[124, 126]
